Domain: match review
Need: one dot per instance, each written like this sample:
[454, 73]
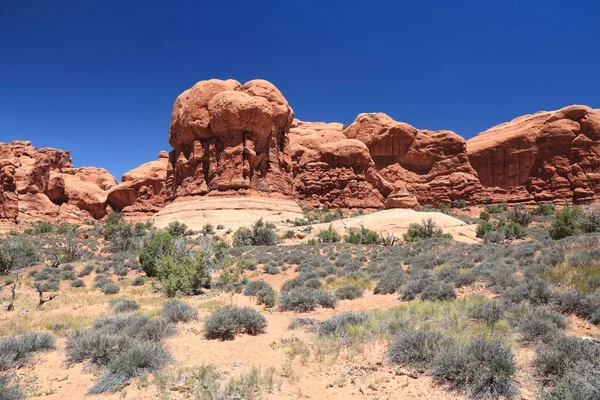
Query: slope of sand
[234, 212]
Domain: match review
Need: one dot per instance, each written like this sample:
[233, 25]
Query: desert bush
[427, 229]
[17, 253]
[266, 296]
[487, 311]
[77, 283]
[253, 287]
[555, 356]
[155, 247]
[416, 348]
[391, 280]
[176, 228]
[184, 276]
[484, 215]
[309, 324]
[16, 350]
[110, 288]
[177, 311]
[438, 290]
[259, 234]
[228, 321]
[361, 235]
[329, 235]
[496, 208]
[544, 209]
[338, 323]
[520, 215]
[10, 390]
[138, 281]
[137, 360]
[303, 299]
[513, 230]
[481, 369]
[573, 220]
[540, 323]
[349, 292]
[483, 227]
[139, 327]
[101, 280]
[580, 382]
[124, 305]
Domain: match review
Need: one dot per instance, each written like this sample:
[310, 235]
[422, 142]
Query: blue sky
[100, 77]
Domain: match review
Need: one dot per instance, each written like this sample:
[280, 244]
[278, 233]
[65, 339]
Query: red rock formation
[229, 137]
[38, 184]
[332, 170]
[141, 191]
[429, 166]
[547, 156]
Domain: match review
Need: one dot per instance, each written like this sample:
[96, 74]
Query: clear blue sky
[100, 77]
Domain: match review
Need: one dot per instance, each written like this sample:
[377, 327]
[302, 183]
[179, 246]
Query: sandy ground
[234, 212]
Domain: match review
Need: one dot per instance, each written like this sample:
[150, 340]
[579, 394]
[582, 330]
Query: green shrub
[427, 229]
[229, 321]
[177, 311]
[17, 253]
[349, 292]
[176, 229]
[124, 305]
[482, 369]
[416, 348]
[483, 227]
[16, 350]
[544, 209]
[329, 235]
[361, 235]
[186, 276]
[110, 288]
[41, 227]
[484, 215]
[573, 220]
[513, 230]
[259, 234]
[496, 208]
[156, 247]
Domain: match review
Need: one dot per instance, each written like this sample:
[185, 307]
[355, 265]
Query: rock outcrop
[547, 156]
[330, 169]
[41, 184]
[229, 137]
[242, 141]
[142, 190]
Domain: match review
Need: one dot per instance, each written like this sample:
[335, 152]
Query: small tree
[176, 228]
[259, 234]
[41, 288]
[520, 215]
[425, 230]
[186, 276]
[156, 246]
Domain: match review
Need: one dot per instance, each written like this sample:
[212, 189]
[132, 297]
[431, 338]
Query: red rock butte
[233, 140]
